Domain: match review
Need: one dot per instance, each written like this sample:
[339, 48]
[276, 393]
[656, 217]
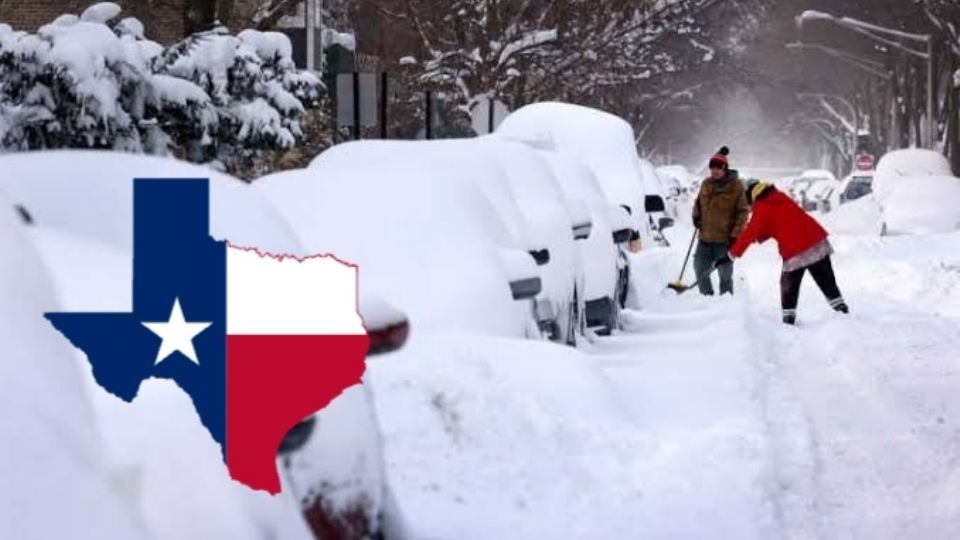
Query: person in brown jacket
[720, 213]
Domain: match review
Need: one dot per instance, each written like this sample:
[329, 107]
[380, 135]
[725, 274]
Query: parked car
[55, 484]
[857, 185]
[80, 207]
[917, 193]
[606, 270]
[823, 195]
[436, 249]
[542, 227]
[605, 142]
[661, 208]
[678, 177]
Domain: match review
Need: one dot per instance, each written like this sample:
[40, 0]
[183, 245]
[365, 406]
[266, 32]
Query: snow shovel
[680, 288]
[678, 284]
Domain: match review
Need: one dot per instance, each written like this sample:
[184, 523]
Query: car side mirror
[622, 236]
[525, 289]
[654, 203]
[665, 223]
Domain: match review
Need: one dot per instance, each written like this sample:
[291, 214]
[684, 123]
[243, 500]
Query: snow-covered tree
[90, 82]
[523, 51]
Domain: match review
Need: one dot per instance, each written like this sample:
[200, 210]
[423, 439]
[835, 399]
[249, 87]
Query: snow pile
[87, 82]
[859, 217]
[484, 439]
[917, 192]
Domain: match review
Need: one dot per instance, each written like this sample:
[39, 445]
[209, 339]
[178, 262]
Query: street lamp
[870, 66]
[872, 31]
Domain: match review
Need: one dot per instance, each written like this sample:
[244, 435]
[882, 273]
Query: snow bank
[861, 217]
[55, 481]
[491, 438]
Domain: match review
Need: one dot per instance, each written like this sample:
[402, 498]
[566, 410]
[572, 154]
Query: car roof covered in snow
[604, 141]
[432, 248]
[444, 160]
[914, 162]
[91, 193]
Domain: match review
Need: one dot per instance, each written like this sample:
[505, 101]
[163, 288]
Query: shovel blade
[679, 288]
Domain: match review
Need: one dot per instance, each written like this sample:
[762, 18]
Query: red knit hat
[720, 159]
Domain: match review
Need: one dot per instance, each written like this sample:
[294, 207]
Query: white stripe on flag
[269, 295]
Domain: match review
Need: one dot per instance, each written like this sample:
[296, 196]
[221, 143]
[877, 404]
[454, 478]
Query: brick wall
[163, 19]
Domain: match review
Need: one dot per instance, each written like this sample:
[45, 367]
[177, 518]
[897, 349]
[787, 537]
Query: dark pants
[822, 272]
[707, 253]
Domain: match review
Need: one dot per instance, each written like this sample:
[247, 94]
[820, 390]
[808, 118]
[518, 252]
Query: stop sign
[865, 162]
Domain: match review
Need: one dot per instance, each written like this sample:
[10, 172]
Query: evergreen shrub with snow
[96, 81]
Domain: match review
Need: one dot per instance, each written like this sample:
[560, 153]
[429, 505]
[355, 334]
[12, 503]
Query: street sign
[365, 108]
[487, 113]
[865, 162]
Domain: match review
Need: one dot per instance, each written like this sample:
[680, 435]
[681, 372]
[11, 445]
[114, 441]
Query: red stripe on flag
[273, 382]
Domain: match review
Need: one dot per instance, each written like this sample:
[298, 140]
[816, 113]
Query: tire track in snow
[696, 389]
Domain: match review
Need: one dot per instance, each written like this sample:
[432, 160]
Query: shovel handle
[686, 259]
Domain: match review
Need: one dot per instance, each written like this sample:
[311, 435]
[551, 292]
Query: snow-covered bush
[89, 82]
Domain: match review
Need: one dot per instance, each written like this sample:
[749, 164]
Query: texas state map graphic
[258, 341]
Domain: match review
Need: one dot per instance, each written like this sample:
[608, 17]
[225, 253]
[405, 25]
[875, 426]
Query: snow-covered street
[720, 421]
[845, 427]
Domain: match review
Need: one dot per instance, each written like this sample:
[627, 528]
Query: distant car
[857, 185]
[661, 208]
[79, 205]
[823, 195]
[678, 177]
[917, 193]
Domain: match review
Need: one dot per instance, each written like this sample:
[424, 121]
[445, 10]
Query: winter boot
[790, 317]
[839, 305]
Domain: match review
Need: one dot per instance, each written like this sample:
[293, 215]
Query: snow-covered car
[917, 193]
[55, 482]
[550, 217]
[678, 177]
[661, 208]
[604, 141]
[855, 186]
[80, 207]
[436, 249]
[606, 270]
[823, 195]
[480, 168]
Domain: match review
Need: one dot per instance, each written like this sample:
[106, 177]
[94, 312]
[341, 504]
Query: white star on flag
[177, 334]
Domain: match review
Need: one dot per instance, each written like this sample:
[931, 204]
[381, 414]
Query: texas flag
[259, 341]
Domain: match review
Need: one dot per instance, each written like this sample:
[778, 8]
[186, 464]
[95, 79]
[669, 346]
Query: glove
[697, 221]
[723, 261]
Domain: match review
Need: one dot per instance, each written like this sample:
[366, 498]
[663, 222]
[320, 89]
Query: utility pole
[310, 26]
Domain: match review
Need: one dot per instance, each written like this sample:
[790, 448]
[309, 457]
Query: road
[842, 428]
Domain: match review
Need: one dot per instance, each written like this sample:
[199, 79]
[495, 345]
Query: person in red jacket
[802, 242]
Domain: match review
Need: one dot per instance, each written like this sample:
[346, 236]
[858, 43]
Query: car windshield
[856, 189]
